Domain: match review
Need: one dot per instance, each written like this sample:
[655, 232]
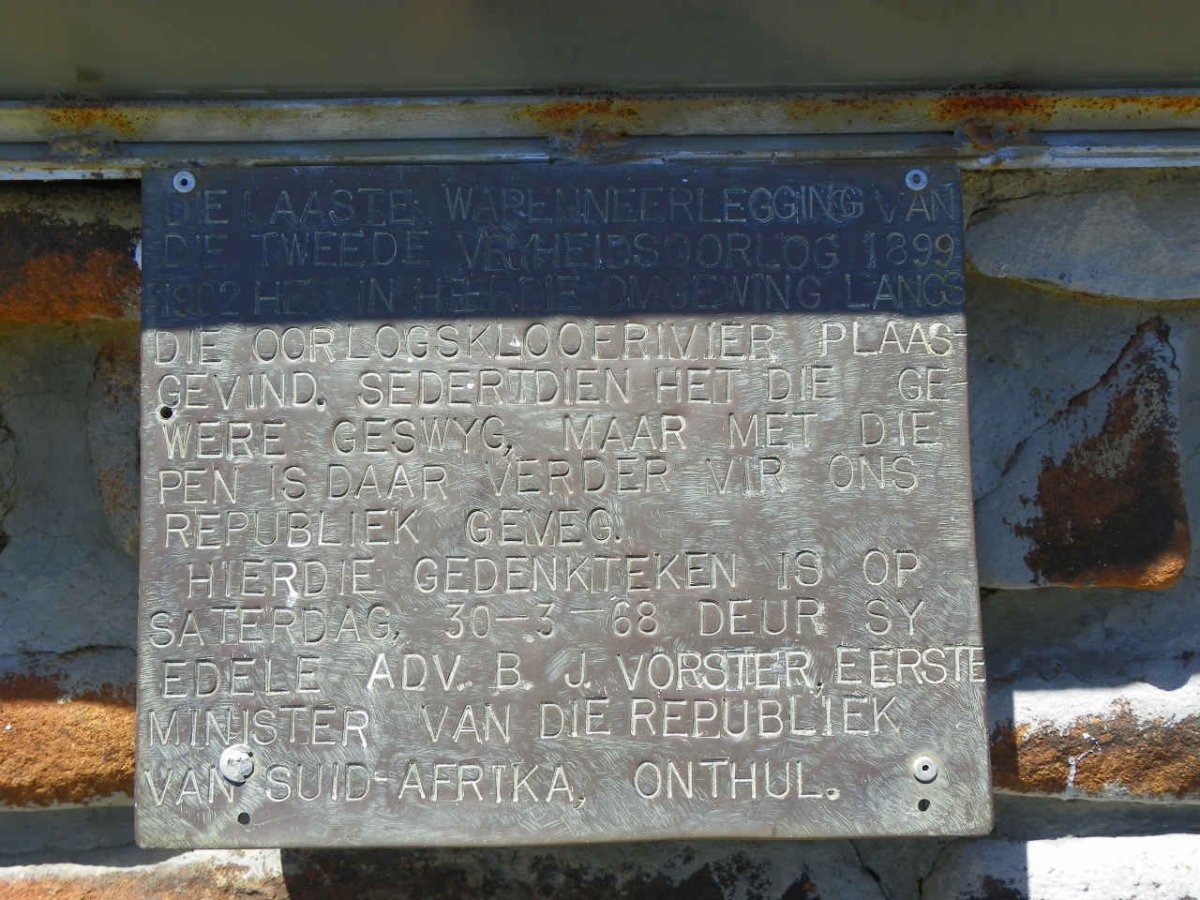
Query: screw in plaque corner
[925, 769]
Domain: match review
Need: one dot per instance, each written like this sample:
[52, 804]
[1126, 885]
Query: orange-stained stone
[52, 269]
[1111, 510]
[59, 748]
[1125, 755]
[199, 881]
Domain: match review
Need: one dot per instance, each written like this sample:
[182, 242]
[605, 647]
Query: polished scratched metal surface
[535, 504]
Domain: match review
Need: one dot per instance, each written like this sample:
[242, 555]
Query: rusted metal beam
[513, 116]
[1022, 129]
[37, 162]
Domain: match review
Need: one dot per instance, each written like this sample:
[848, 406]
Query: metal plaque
[553, 503]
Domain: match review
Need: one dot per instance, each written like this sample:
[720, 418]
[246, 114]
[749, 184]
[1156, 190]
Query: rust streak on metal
[600, 112]
[587, 127]
[92, 117]
[962, 106]
[1012, 112]
[1143, 758]
[1184, 106]
[958, 107]
[64, 748]
[881, 107]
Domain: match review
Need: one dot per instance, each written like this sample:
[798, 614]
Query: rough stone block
[66, 253]
[66, 736]
[54, 835]
[112, 430]
[65, 583]
[1159, 867]
[1022, 817]
[1093, 496]
[1132, 238]
[1095, 693]
[200, 875]
[1116, 753]
[807, 870]
[767, 871]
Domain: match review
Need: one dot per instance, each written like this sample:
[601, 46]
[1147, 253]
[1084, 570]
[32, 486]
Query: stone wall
[1084, 310]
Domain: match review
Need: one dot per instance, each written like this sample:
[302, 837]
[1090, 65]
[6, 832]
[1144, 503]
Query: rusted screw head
[236, 764]
[925, 769]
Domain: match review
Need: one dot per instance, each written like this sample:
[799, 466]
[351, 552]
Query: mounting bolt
[237, 763]
[916, 179]
[184, 181]
[925, 769]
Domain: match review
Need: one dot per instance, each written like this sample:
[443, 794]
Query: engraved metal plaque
[533, 504]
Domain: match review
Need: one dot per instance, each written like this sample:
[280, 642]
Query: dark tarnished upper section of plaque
[552, 503]
[527, 240]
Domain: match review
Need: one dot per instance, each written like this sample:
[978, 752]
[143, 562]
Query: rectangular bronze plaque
[547, 503]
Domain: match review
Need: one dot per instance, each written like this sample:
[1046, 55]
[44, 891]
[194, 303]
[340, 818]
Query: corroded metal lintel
[523, 115]
[1096, 150]
[1008, 129]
